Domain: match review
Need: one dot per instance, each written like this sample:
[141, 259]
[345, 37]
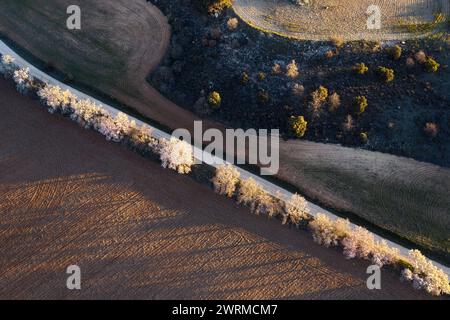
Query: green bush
[214, 99]
[263, 96]
[244, 78]
[386, 74]
[212, 6]
[363, 136]
[403, 264]
[261, 76]
[360, 104]
[431, 65]
[395, 52]
[360, 68]
[298, 125]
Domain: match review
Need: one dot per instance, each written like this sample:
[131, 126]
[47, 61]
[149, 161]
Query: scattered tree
[298, 125]
[360, 68]
[360, 104]
[176, 154]
[226, 179]
[214, 100]
[386, 74]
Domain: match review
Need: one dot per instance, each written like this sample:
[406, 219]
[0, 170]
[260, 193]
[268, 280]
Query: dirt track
[138, 231]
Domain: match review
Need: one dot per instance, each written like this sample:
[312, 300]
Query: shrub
[298, 125]
[268, 205]
[386, 74]
[292, 70]
[298, 89]
[383, 254]
[214, 99]
[261, 76]
[6, 65]
[176, 154]
[89, 115]
[420, 57]
[330, 54]
[348, 125]
[22, 79]
[276, 68]
[334, 102]
[327, 232]
[260, 202]
[212, 6]
[232, 23]
[337, 41]
[360, 104]
[360, 68]
[141, 138]
[395, 52]
[410, 62]
[431, 65]
[358, 243]
[424, 275]
[244, 77]
[363, 136]
[226, 180]
[431, 129]
[56, 99]
[296, 210]
[249, 193]
[263, 96]
[318, 97]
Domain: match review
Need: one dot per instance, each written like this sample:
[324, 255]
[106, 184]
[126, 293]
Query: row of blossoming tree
[178, 155]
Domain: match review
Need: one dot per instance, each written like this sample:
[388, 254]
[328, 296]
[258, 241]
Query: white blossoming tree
[425, 275]
[6, 65]
[89, 115]
[249, 193]
[22, 79]
[176, 154]
[328, 232]
[296, 210]
[226, 179]
[56, 99]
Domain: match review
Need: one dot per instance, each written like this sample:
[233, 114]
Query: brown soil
[138, 231]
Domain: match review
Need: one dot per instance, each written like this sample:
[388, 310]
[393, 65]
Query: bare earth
[138, 231]
[324, 19]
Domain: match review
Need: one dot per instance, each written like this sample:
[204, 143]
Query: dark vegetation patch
[397, 102]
